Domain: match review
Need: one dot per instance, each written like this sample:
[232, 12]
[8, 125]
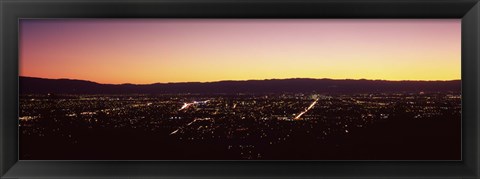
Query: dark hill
[30, 85]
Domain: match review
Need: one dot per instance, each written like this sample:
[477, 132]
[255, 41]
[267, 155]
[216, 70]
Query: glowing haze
[143, 51]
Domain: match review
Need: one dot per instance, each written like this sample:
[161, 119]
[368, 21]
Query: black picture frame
[467, 10]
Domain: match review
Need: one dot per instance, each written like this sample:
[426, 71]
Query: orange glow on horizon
[148, 51]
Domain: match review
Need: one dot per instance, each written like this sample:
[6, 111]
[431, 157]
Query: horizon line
[358, 79]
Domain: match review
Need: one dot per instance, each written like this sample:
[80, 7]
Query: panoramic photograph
[240, 89]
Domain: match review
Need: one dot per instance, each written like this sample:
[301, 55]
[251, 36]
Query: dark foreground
[377, 126]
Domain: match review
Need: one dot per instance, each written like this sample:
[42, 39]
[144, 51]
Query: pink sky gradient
[145, 51]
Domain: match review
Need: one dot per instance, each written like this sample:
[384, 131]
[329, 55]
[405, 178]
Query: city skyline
[180, 50]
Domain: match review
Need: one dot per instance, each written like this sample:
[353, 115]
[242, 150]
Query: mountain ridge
[269, 79]
[30, 85]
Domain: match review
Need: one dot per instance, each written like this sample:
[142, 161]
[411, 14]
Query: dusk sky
[147, 51]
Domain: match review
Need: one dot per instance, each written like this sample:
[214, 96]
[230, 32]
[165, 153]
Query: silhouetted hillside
[67, 86]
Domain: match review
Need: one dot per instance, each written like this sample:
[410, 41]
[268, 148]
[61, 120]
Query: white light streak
[187, 105]
[174, 132]
[306, 110]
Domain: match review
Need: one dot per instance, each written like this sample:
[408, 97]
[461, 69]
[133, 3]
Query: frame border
[467, 10]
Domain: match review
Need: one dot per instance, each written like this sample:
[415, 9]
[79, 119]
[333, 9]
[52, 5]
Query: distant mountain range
[29, 85]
